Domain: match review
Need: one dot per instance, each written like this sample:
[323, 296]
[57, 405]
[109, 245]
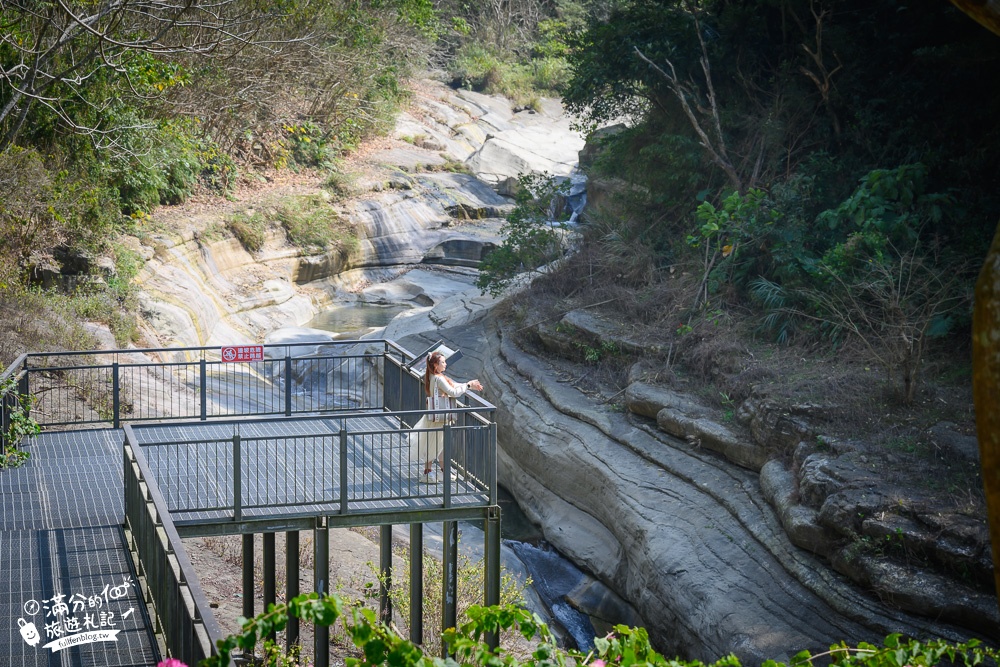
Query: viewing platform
[245, 440]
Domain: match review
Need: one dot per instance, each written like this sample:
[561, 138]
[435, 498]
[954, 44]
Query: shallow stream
[352, 318]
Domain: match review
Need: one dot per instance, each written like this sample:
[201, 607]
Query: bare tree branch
[70, 42]
[684, 91]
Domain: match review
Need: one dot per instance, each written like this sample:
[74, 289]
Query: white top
[443, 385]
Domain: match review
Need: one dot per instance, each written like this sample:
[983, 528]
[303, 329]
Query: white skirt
[427, 446]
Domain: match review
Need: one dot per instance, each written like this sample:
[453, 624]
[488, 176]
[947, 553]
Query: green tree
[53, 54]
[532, 236]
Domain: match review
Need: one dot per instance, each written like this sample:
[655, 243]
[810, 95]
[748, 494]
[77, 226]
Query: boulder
[689, 422]
[800, 522]
[922, 592]
[597, 329]
[514, 152]
[846, 510]
[647, 400]
[409, 159]
[951, 445]
[310, 268]
[823, 474]
[951, 541]
[679, 415]
[558, 341]
[773, 425]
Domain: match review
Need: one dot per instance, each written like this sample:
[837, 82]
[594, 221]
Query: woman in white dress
[429, 446]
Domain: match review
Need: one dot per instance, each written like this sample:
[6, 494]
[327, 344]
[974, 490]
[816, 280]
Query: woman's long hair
[433, 361]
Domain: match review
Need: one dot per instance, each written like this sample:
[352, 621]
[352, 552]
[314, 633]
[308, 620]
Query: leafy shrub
[31, 320]
[480, 68]
[248, 230]
[218, 169]
[470, 585]
[736, 241]
[549, 74]
[310, 222]
[623, 647]
[20, 424]
[340, 185]
[42, 209]
[310, 146]
[156, 164]
[115, 304]
[476, 67]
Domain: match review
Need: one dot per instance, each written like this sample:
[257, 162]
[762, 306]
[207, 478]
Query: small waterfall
[552, 578]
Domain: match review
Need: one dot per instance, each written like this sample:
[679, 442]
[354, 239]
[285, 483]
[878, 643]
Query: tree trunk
[986, 388]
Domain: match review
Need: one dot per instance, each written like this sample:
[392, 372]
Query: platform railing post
[417, 583]
[248, 583]
[385, 574]
[116, 402]
[269, 576]
[203, 389]
[237, 481]
[24, 388]
[446, 469]
[288, 384]
[342, 439]
[491, 457]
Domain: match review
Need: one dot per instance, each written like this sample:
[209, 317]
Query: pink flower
[171, 662]
[598, 663]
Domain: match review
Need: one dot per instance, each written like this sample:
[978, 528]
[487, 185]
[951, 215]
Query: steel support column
[321, 575]
[269, 576]
[491, 596]
[248, 588]
[417, 583]
[449, 593]
[292, 584]
[385, 573]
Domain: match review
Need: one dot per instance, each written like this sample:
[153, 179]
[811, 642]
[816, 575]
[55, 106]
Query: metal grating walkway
[291, 468]
[64, 564]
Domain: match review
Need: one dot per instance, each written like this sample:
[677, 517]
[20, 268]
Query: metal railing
[112, 387]
[182, 612]
[351, 454]
[304, 466]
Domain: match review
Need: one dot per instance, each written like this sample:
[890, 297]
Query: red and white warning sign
[243, 353]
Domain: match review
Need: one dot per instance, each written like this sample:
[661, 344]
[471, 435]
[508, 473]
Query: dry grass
[31, 321]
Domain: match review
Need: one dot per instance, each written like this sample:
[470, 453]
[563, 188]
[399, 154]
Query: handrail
[118, 391]
[18, 363]
[201, 348]
[185, 618]
[219, 472]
